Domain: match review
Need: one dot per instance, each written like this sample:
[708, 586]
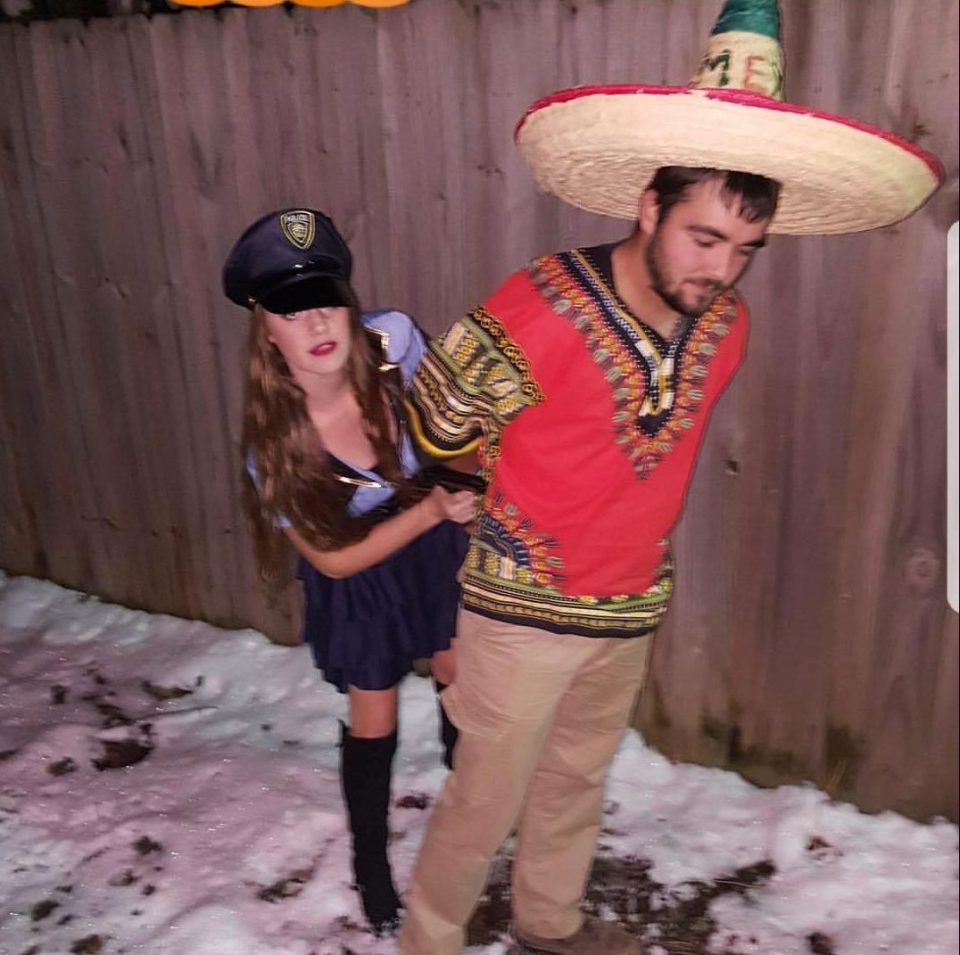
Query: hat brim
[598, 148]
[300, 293]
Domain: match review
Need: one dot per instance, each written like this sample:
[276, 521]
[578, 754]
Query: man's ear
[648, 216]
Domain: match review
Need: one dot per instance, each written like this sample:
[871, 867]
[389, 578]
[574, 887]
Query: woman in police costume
[332, 472]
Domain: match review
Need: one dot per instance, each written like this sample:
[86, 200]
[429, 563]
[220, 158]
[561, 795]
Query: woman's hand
[390, 535]
[459, 506]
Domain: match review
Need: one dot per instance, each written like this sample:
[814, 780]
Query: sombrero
[597, 147]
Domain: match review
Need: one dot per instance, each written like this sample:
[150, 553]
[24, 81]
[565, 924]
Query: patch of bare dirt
[676, 919]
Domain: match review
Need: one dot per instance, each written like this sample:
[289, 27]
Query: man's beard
[659, 285]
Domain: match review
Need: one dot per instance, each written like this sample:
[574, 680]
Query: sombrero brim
[598, 148]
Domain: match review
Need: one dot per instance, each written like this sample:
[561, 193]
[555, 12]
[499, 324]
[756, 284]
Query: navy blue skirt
[366, 630]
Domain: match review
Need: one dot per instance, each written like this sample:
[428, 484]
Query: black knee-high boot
[448, 732]
[365, 769]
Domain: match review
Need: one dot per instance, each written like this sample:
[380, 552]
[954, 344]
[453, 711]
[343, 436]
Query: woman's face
[314, 342]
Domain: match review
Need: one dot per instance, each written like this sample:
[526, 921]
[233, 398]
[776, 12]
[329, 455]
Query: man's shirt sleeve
[471, 382]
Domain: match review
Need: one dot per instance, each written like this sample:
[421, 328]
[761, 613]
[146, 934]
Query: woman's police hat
[289, 261]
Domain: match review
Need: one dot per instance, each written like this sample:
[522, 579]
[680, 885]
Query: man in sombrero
[588, 378]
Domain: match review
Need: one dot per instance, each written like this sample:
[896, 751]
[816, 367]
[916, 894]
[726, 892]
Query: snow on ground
[167, 787]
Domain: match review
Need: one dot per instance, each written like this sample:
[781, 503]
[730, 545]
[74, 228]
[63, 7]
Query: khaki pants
[540, 717]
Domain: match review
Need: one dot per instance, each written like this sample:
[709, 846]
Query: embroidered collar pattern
[656, 396]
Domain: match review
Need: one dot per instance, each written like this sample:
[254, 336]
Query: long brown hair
[295, 477]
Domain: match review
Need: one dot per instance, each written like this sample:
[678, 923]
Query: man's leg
[558, 828]
[510, 680]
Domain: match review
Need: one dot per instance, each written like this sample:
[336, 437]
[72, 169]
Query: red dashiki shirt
[589, 424]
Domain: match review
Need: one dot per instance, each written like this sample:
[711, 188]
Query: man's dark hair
[757, 195]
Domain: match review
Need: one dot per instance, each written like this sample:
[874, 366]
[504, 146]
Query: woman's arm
[390, 535]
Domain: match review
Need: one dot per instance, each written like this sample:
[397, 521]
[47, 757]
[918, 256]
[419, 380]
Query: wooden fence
[810, 637]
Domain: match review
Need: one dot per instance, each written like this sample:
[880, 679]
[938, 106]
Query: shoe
[388, 927]
[381, 904]
[595, 937]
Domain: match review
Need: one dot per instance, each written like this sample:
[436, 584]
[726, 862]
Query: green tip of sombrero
[749, 16]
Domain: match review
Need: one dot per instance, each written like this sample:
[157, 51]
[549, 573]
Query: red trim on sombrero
[742, 98]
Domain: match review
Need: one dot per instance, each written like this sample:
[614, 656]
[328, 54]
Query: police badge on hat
[299, 227]
[289, 260]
